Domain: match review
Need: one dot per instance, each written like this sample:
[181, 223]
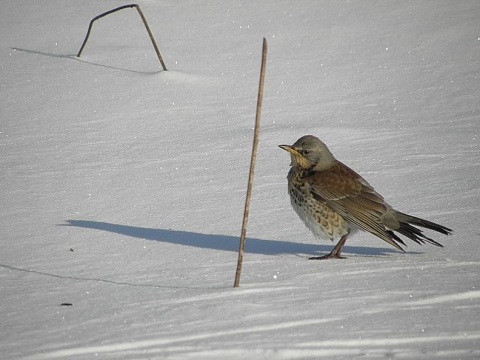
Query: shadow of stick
[74, 57]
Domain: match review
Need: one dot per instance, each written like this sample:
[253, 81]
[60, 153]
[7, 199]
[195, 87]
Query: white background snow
[122, 187]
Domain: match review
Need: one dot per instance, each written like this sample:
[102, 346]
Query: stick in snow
[144, 22]
[252, 164]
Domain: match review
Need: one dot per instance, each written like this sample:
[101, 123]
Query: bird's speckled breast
[317, 216]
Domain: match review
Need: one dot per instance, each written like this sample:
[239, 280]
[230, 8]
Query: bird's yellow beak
[294, 154]
[297, 159]
[288, 148]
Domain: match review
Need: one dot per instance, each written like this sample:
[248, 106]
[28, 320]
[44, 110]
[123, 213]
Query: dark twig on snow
[144, 22]
[252, 164]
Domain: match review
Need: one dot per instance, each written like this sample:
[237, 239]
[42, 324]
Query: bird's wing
[348, 194]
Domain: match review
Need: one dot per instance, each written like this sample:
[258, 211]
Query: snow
[123, 186]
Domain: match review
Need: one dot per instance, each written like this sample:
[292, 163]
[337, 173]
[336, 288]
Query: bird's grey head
[309, 152]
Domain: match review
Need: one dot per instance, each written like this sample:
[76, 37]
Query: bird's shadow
[221, 242]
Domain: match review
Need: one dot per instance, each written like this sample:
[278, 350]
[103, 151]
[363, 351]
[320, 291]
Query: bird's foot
[335, 253]
[326, 257]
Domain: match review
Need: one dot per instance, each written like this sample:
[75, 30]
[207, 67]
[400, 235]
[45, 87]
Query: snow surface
[123, 186]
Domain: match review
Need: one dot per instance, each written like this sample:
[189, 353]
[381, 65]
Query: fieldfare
[334, 201]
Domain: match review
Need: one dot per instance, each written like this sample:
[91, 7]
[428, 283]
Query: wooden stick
[152, 39]
[241, 249]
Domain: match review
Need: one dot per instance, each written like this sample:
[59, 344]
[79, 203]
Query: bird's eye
[306, 152]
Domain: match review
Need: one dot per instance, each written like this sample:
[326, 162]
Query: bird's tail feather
[406, 228]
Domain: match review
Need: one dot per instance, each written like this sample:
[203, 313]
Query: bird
[334, 201]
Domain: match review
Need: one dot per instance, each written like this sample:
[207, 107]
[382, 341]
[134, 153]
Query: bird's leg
[335, 253]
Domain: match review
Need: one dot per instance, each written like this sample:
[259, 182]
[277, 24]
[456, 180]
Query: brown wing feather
[348, 194]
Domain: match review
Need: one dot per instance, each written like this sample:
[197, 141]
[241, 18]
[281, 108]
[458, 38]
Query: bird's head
[309, 153]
